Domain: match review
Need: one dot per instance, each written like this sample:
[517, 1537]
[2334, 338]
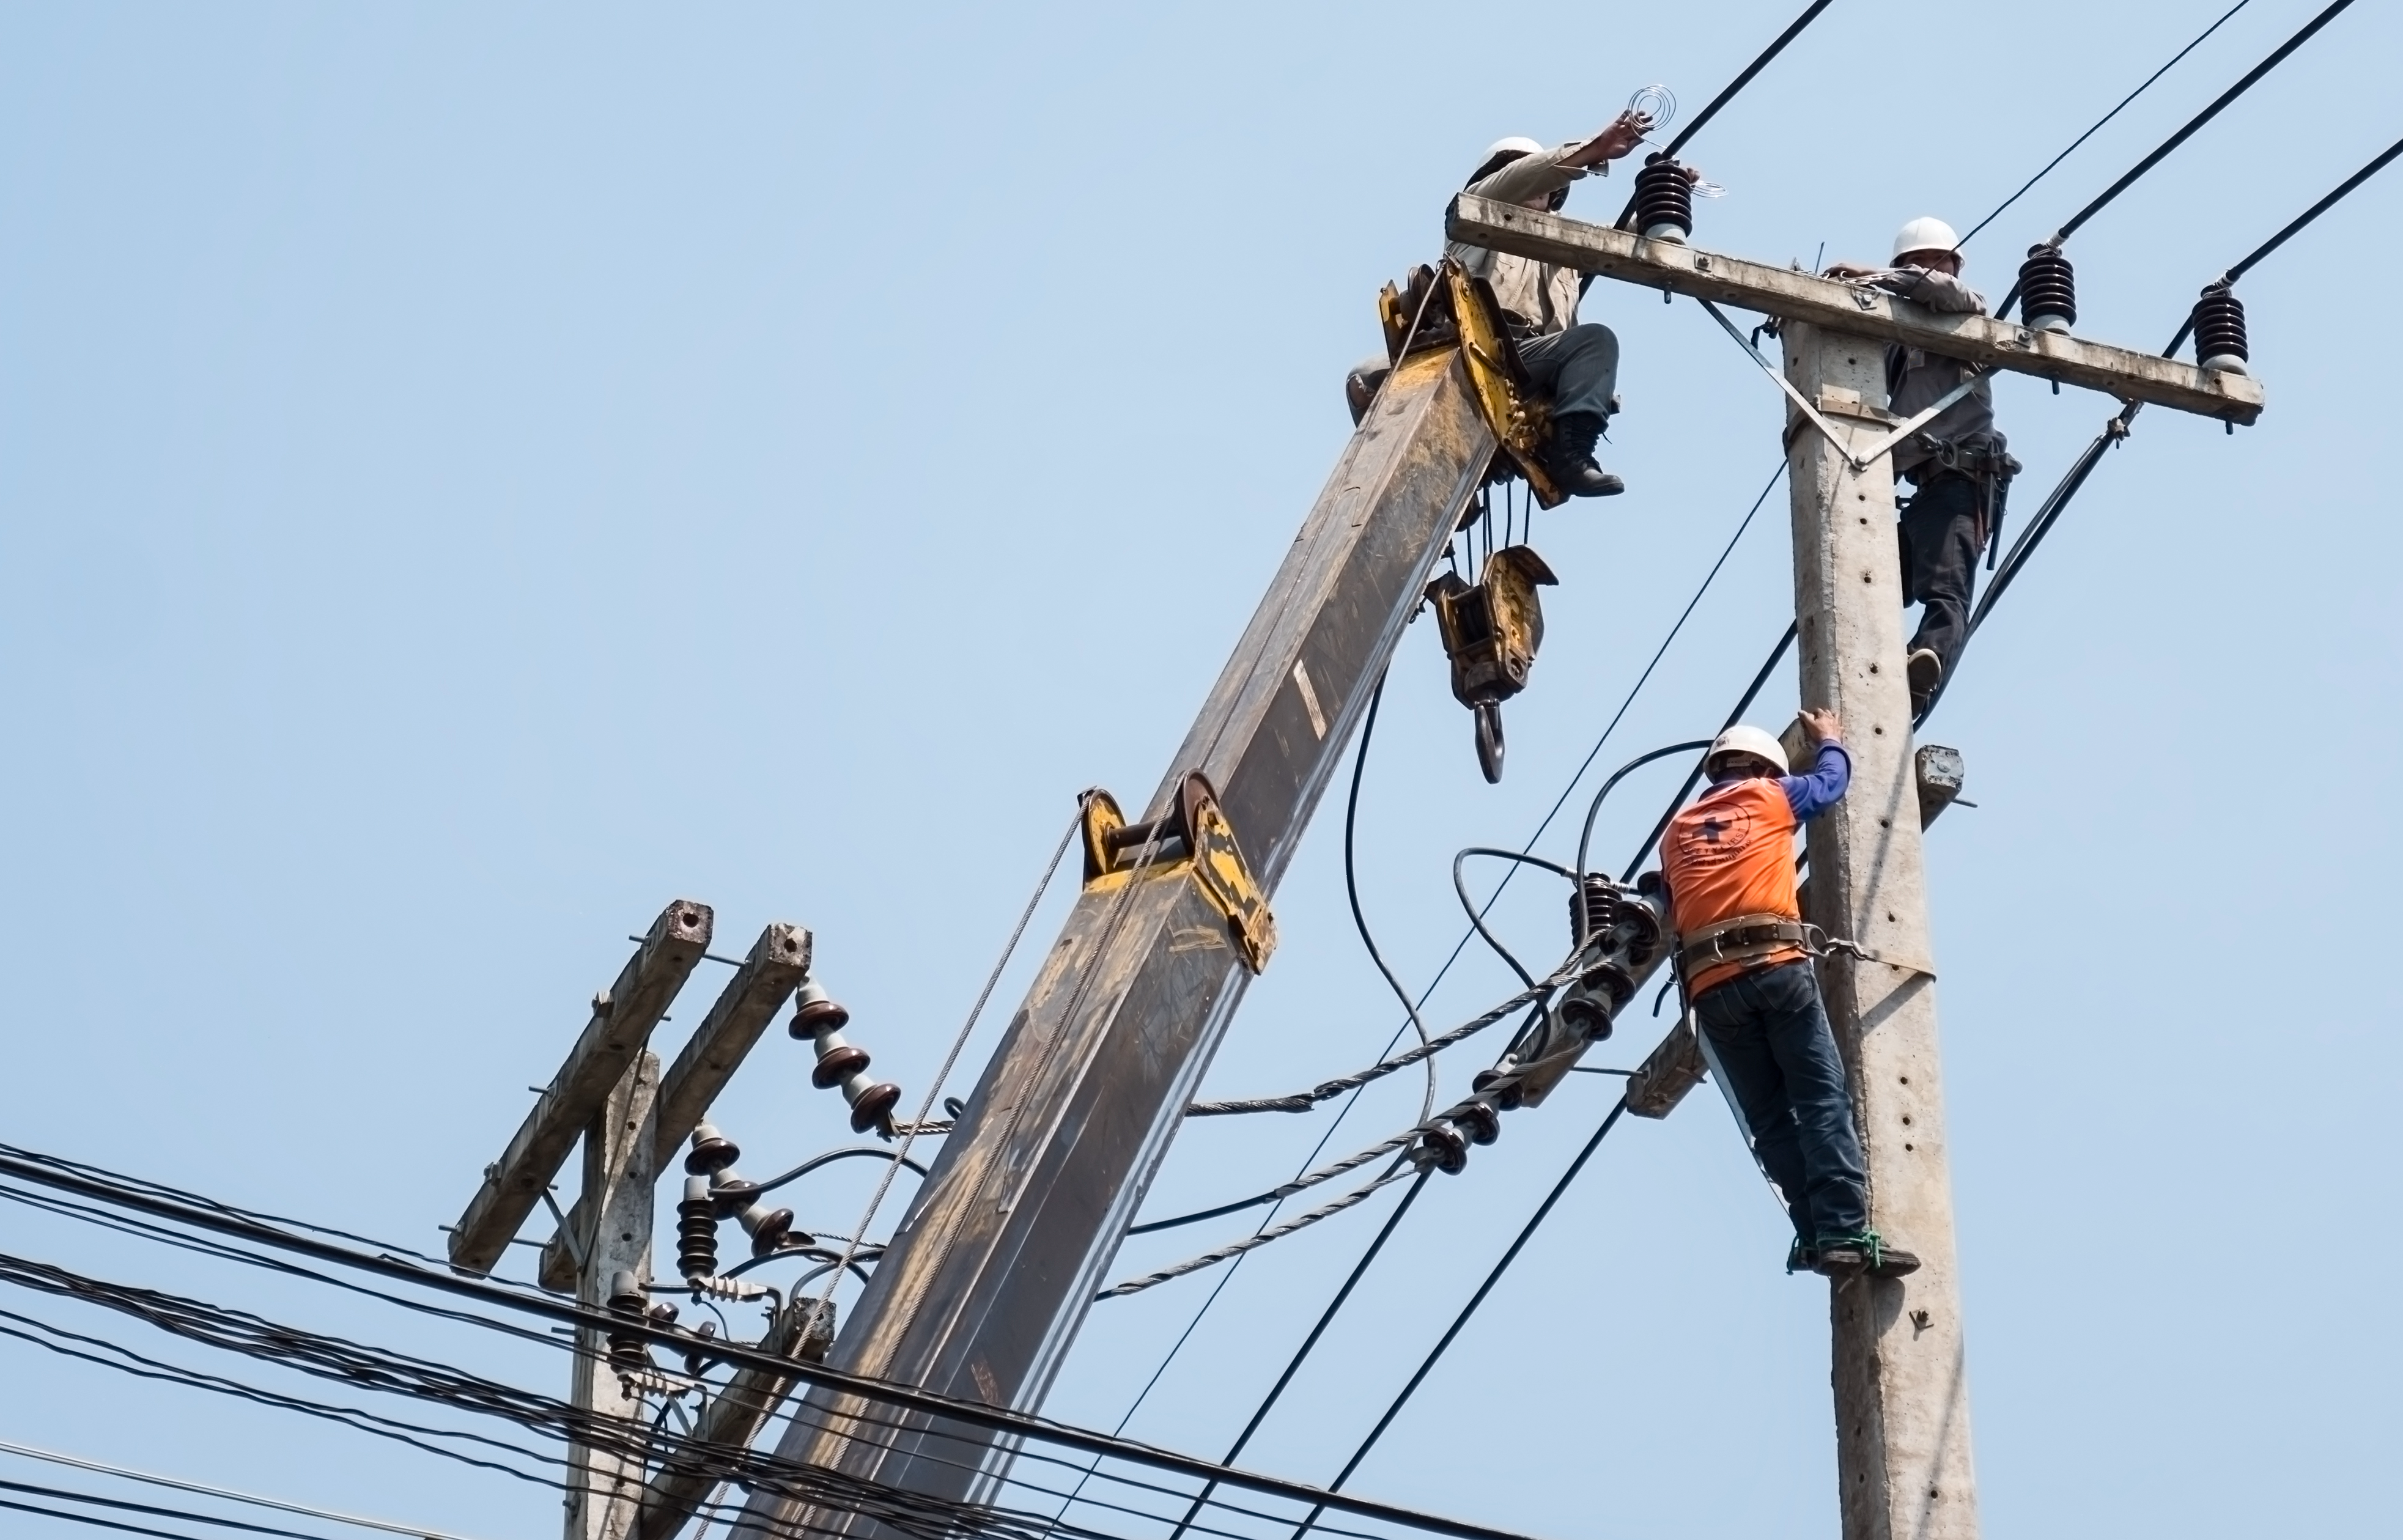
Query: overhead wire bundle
[888, 1412]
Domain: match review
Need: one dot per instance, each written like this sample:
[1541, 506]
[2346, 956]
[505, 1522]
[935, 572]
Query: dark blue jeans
[1771, 1035]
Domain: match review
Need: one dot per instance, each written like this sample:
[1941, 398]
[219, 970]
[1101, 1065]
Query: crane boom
[993, 1269]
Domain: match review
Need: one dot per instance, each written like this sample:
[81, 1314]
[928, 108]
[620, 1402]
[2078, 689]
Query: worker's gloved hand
[1821, 726]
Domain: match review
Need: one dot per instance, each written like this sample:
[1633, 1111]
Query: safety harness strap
[1739, 939]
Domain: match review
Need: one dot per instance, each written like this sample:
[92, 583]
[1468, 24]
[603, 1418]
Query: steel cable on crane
[2277, 56]
[959, 1042]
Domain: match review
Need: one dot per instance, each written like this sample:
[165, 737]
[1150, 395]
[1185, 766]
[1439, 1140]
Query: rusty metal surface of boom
[991, 1270]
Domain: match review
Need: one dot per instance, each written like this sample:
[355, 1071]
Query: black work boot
[1842, 1256]
[1926, 671]
[1570, 457]
[1801, 1256]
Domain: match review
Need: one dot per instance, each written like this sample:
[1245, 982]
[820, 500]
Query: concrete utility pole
[1899, 1370]
[1901, 1378]
[604, 1490]
[611, 1095]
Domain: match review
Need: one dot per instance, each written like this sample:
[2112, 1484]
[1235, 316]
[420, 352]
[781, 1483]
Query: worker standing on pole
[1575, 364]
[1743, 960]
[1957, 462]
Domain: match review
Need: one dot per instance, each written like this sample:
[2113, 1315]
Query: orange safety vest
[1730, 852]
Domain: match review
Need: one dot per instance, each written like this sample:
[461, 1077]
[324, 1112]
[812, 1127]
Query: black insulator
[2220, 342]
[697, 1235]
[1511, 1097]
[1664, 200]
[711, 1152]
[769, 1228]
[815, 1011]
[1444, 1147]
[731, 1192]
[627, 1303]
[1593, 907]
[836, 1065]
[2048, 290]
[696, 1360]
[874, 1107]
[1481, 1123]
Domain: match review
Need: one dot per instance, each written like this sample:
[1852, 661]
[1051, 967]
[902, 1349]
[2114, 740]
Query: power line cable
[905, 1398]
[1675, 628]
[2277, 56]
[1326, 1319]
[1427, 1365]
[1793, 30]
[150, 1510]
[417, 1531]
[1351, 893]
[2293, 228]
[2100, 123]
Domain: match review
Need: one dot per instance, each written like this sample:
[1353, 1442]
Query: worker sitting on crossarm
[1957, 462]
[1575, 363]
[1729, 863]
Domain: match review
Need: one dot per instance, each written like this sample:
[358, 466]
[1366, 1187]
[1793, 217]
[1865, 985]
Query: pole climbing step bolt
[2047, 289]
[1664, 200]
[2219, 341]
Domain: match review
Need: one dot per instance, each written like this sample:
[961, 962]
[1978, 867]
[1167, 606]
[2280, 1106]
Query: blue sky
[469, 475]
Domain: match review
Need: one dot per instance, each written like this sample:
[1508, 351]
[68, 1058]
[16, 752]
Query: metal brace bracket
[1859, 459]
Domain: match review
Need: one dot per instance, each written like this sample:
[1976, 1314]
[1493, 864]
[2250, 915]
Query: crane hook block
[1193, 840]
[1490, 631]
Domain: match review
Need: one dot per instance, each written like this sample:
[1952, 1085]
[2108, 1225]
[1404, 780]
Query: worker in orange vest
[1743, 955]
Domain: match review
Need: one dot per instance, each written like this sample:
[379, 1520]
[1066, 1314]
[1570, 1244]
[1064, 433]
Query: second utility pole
[1901, 1382]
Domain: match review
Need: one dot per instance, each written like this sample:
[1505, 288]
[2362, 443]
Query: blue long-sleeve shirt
[1831, 772]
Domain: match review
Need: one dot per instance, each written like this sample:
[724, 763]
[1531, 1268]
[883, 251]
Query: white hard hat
[1515, 144]
[1746, 740]
[1924, 233]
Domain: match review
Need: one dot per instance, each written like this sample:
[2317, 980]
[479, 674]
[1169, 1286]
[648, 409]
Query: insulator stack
[1593, 908]
[2048, 290]
[770, 1230]
[711, 1152]
[841, 1063]
[1664, 200]
[2220, 342]
[697, 1230]
[1443, 1147]
[627, 1303]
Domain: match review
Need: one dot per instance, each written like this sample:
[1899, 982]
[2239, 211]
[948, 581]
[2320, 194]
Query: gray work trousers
[1578, 369]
